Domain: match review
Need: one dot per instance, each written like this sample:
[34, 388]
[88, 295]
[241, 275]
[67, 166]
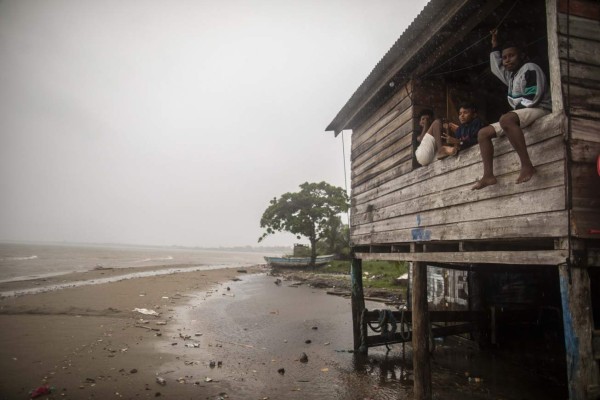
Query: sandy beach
[86, 342]
[226, 333]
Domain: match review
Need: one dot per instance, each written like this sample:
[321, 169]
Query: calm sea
[20, 261]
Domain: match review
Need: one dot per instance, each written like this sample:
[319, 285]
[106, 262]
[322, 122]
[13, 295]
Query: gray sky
[175, 122]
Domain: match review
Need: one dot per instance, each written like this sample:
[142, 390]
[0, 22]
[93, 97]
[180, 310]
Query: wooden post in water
[420, 331]
[358, 300]
[582, 368]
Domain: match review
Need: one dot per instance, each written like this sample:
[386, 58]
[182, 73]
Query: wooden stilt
[582, 369]
[420, 339]
[358, 300]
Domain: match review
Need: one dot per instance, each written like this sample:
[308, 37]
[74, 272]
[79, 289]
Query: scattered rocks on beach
[303, 358]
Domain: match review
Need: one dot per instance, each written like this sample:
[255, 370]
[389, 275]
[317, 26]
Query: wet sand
[86, 342]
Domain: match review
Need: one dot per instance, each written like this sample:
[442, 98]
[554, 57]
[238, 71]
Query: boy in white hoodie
[528, 96]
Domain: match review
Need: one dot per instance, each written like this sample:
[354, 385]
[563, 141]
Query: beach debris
[145, 311]
[184, 337]
[237, 344]
[41, 391]
[242, 271]
[161, 322]
[308, 341]
[326, 343]
[133, 371]
[197, 334]
[207, 379]
[161, 381]
[147, 328]
[324, 369]
[314, 328]
[212, 364]
[303, 358]
[281, 371]
[181, 380]
[193, 345]
[278, 281]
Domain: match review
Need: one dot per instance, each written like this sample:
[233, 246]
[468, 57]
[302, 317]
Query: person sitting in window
[529, 98]
[425, 119]
[463, 135]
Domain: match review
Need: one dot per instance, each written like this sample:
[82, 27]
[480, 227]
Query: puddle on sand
[256, 328]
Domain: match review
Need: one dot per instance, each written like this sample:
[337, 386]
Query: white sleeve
[497, 67]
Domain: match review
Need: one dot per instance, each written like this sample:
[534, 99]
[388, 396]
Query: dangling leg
[486, 147]
[511, 126]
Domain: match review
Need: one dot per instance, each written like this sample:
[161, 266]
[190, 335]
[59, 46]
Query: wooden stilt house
[429, 216]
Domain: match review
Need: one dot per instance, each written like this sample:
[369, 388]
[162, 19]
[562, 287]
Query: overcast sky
[175, 122]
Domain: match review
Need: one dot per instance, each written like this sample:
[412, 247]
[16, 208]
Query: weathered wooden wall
[394, 203]
[382, 145]
[579, 53]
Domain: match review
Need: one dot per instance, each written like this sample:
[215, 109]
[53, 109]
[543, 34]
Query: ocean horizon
[23, 261]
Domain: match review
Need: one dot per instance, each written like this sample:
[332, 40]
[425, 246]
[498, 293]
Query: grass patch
[376, 274]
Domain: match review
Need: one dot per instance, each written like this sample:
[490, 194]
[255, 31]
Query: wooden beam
[420, 339]
[357, 300]
[582, 368]
[541, 257]
[553, 57]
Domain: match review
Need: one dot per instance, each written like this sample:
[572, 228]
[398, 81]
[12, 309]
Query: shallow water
[22, 261]
[256, 327]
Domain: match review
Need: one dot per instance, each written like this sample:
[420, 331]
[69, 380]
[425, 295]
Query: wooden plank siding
[435, 202]
[389, 138]
[579, 52]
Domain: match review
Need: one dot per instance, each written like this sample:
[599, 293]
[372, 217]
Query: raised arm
[496, 59]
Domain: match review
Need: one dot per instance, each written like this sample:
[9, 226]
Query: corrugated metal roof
[399, 54]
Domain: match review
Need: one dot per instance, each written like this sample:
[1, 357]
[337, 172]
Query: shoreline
[86, 340]
[100, 275]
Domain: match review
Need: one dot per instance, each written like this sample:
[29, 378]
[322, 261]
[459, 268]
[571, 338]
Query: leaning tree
[307, 213]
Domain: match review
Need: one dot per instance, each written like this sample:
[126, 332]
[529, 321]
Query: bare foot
[446, 151]
[483, 182]
[526, 174]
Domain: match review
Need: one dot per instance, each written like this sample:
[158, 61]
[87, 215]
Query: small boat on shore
[297, 262]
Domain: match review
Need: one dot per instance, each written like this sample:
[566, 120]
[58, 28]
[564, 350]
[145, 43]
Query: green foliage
[336, 239]
[309, 213]
[376, 274]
